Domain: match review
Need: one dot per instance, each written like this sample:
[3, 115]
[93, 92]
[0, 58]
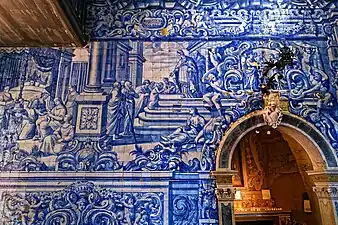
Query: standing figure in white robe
[128, 95]
[6, 101]
[114, 112]
[186, 76]
[144, 92]
[70, 100]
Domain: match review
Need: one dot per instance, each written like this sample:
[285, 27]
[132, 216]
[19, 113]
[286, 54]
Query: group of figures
[229, 72]
[47, 123]
[126, 104]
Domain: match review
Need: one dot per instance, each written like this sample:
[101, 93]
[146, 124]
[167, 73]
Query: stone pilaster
[326, 190]
[327, 200]
[225, 193]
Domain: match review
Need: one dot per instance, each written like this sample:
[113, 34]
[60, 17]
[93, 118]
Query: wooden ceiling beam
[39, 23]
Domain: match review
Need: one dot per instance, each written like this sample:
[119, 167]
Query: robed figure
[114, 114]
[186, 76]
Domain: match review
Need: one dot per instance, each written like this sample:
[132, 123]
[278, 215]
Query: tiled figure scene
[126, 130]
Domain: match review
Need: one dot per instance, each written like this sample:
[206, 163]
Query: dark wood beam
[39, 23]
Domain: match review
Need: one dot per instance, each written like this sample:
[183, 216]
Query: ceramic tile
[130, 126]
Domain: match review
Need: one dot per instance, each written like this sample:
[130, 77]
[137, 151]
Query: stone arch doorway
[299, 135]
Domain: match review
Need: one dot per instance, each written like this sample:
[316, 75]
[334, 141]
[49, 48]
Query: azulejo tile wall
[125, 131]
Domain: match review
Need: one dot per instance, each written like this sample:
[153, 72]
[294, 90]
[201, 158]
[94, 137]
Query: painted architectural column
[104, 60]
[79, 69]
[96, 66]
[109, 72]
[136, 61]
[64, 68]
[225, 193]
[91, 114]
[122, 60]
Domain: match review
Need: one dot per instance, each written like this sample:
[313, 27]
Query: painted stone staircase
[172, 112]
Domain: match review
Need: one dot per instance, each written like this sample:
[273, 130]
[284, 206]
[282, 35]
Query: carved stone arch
[321, 155]
[291, 124]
